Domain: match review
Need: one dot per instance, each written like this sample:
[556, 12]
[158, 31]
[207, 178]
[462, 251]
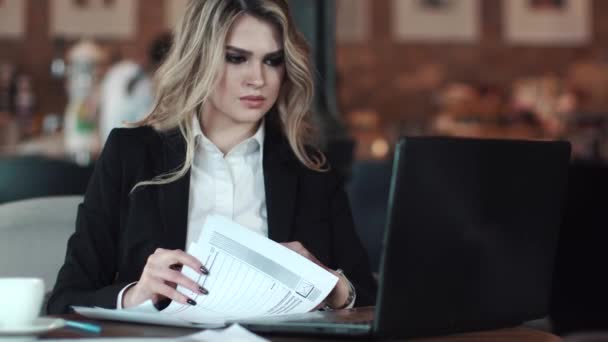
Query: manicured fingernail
[203, 290]
[204, 270]
[191, 302]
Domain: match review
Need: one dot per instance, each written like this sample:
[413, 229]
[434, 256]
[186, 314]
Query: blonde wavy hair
[186, 78]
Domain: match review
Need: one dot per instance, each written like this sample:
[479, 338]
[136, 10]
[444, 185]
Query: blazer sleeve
[349, 253]
[90, 268]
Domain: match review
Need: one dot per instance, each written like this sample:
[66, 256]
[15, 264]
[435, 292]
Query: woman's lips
[253, 102]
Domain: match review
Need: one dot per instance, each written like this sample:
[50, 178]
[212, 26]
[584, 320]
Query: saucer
[37, 327]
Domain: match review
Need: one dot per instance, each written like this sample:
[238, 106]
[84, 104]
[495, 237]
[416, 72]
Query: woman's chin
[251, 115]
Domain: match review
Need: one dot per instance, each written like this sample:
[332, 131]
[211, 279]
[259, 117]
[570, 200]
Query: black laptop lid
[471, 234]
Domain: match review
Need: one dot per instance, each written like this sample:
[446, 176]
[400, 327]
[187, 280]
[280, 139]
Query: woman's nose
[256, 76]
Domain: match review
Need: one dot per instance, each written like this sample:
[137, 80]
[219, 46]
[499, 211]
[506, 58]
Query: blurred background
[515, 69]
[71, 70]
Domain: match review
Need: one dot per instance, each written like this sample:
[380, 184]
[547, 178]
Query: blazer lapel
[173, 197]
[280, 184]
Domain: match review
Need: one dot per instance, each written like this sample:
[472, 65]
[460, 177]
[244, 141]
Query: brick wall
[34, 53]
[371, 74]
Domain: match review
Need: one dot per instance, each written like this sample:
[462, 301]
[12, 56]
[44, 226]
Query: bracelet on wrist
[351, 293]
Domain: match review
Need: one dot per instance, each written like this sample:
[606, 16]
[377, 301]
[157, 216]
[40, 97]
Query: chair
[24, 177]
[34, 234]
[368, 193]
[579, 300]
[340, 153]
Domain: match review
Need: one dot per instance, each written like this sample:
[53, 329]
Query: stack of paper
[250, 276]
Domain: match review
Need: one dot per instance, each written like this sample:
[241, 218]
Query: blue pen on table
[88, 327]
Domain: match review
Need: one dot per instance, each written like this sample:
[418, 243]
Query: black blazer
[117, 231]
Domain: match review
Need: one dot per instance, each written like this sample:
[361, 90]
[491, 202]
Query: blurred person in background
[86, 62]
[127, 90]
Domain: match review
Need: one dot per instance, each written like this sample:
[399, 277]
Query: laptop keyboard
[348, 317]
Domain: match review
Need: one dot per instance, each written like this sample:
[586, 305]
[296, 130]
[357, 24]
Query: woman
[232, 113]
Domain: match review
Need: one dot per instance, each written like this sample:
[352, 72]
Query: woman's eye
[235, 59]
[274, 61]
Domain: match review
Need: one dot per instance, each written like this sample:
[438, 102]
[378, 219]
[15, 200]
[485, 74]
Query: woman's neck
[224, 132]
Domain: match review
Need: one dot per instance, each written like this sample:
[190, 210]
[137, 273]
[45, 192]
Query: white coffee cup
[20, 301]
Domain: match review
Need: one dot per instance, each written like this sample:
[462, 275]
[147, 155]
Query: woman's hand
[339, 295]
[160, 277]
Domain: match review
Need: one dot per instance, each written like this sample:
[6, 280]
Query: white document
[235, 333]
[249, 276]
[154, 317]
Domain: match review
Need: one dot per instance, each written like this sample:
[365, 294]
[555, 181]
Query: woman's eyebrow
[249, 53]
[275, 54]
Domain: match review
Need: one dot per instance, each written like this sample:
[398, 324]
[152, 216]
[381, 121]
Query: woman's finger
[163, 289]
[180, 257]
[170, 276]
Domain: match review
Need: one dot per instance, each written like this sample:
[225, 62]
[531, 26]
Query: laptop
[469, 244]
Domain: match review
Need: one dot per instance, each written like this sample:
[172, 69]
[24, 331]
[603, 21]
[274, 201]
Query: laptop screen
[471, 234]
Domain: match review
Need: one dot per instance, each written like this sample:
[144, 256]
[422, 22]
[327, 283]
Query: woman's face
[251, 78]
